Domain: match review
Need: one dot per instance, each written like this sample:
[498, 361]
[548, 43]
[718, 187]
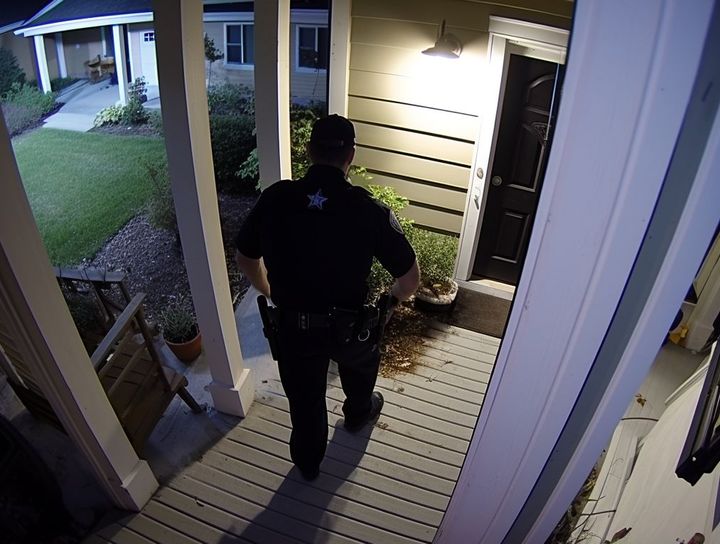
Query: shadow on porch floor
[389, 483]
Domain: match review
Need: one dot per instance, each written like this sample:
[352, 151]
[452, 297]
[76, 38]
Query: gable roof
[14, 14]
[66, 12]
[70, 10]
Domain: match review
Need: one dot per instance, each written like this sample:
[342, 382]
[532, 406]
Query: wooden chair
[139, 387]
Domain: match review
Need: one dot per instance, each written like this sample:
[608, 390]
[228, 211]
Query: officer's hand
[392, 304]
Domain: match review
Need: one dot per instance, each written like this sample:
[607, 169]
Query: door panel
[518, 169]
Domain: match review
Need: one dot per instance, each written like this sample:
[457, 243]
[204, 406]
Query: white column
[42, 63]
[272, 89]
[591, 223]
[60, 49]
[120, 70]
[52, 348]
[181, 73]
[340, 27]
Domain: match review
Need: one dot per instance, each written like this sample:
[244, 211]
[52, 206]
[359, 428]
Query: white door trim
[506, 35]
[612, 149]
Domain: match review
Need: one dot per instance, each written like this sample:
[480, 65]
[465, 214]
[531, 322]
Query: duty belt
[367, 318]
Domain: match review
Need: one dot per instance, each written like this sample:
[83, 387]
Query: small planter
[429, 300]
[180, 331]
[188, 351]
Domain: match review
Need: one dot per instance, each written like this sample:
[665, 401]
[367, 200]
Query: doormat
[478, 312]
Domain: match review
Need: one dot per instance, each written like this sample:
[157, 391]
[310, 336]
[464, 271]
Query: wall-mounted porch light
[447, 46]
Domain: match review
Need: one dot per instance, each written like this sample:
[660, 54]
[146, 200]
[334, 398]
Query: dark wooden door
[523, 144]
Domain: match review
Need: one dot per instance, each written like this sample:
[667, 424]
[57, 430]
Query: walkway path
[84, 100]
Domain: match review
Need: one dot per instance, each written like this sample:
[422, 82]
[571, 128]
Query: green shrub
[231, 99]
[302, 119]
[134, 113]
[24, 105]
[212, 54]
[31, 98]
[155, 121]
[394, 201]
[379, 279]
[249, 170]
[160, 206]
[59, 83]
[112, 115]
[137, 90]
[18, 118]
[10, 71]
[232, 138]
[435, 254]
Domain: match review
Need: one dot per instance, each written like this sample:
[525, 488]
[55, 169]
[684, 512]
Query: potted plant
[180, 331]
[436, 259]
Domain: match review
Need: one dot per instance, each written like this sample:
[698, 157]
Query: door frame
[507, 36]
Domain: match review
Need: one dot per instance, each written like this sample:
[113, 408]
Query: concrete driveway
[84, 100]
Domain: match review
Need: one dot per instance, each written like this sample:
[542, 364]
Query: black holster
[348, 325]
[270, 321]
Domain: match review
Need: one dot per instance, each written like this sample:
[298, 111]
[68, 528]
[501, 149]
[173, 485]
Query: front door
[518, 167]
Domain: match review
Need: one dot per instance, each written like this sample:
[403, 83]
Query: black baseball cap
[333, 131]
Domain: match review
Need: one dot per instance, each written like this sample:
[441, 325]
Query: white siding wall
[417, 117]
[656, 504]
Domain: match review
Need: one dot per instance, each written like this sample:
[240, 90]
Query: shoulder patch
[394, 223]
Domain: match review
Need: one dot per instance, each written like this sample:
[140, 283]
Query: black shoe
[376, 404]
[309, 475]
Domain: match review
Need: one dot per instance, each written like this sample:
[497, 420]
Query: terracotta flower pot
[188, 351]
[429, 301]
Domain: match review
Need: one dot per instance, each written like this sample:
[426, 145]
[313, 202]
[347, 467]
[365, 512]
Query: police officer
[309, 245]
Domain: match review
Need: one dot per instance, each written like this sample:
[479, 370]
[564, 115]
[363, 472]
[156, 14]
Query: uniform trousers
[303, 360]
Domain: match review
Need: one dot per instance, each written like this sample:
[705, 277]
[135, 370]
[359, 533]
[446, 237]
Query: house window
[240, 44]
[148, 36]
[312, 47]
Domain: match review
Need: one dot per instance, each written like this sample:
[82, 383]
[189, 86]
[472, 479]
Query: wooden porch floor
[389, 483]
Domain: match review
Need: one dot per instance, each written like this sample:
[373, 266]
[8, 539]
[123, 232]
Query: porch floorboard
[388, 483]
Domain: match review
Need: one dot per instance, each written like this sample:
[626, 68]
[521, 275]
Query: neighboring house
[75, 31]
[627, 212]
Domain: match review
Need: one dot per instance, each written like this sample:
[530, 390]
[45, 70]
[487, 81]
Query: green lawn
[83, 187]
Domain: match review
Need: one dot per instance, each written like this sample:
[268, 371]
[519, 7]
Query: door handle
[496, 181]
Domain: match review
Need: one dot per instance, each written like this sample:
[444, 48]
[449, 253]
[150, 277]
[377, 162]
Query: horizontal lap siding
[418, 117]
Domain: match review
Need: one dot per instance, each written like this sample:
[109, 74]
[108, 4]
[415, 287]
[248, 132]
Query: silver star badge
[317, 200]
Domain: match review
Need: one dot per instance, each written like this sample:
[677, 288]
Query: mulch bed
[153, 262]
[403, 336]
[125, 130]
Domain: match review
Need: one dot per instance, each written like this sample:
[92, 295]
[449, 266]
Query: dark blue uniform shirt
[318, 236]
